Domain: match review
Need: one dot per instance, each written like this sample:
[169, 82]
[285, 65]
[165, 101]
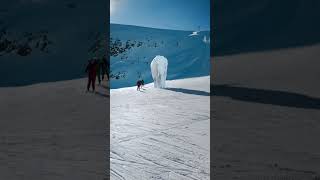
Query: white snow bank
[159, 67]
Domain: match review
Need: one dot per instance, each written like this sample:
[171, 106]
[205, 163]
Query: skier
[105, 67]
[139, 83]
[100, 70]
[91, 69]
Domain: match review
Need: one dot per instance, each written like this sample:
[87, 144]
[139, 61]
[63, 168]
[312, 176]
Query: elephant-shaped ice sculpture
[159, 66]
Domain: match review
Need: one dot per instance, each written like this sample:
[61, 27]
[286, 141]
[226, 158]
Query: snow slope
[53, 131]
[265, 115]
[133, 48]
[61, 36]
[161, 133]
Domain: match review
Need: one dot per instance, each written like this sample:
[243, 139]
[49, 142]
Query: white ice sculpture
[159, 66]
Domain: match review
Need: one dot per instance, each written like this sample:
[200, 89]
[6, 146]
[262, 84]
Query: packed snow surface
[161, 133]
[53, 131]
[159, 66]
[265, 115]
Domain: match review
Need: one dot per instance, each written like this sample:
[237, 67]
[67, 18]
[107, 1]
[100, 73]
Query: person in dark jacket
[139, 83]
[91, 69]
[100, 71]
[105, 67]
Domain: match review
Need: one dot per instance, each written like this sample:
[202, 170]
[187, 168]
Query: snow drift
[159, 66]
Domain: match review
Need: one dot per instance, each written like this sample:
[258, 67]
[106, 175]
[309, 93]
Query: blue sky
[164, 14]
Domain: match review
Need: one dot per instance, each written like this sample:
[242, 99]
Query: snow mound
[159, 66]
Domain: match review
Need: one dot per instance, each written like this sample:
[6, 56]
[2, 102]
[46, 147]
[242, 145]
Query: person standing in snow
[91, 69]
[100, 70]
[139, 83]
[106, 67]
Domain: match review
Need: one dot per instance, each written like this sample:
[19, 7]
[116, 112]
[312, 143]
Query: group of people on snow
[96, 67]
[99, 68]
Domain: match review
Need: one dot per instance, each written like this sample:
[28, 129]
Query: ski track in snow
[161, 133]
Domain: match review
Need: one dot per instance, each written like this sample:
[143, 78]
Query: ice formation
[159, 67]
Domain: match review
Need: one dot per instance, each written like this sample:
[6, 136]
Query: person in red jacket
[92, 73]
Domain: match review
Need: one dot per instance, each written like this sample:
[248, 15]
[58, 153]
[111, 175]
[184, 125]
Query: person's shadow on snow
[104, 86]
[189, 91]
[102, 94]
[263, 96]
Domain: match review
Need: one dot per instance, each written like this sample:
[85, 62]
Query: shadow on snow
[263, 96]
[189, 91]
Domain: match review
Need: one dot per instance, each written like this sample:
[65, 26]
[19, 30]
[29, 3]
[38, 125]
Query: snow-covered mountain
[253, 26]
[42, 41]
[132, 49]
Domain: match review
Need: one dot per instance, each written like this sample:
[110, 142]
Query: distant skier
[91, 69]
[139, 84]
